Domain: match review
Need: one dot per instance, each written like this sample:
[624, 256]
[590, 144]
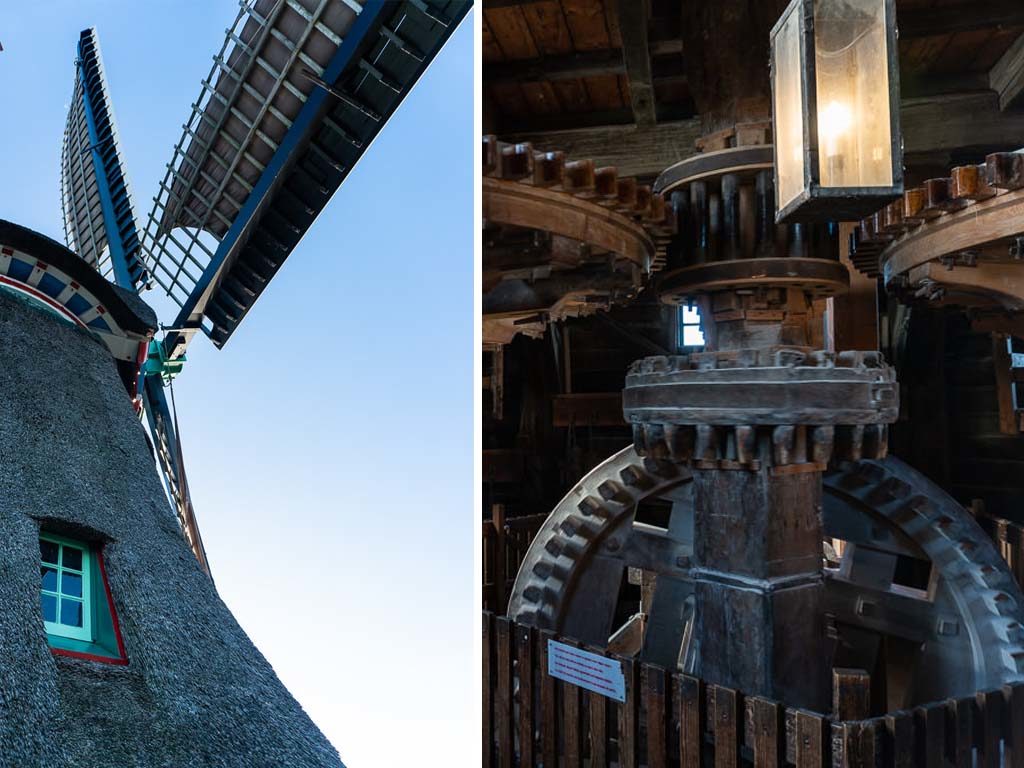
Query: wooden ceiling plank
[548, 27]
[604, 91]
[513, 35]
[587, 25]
[637, 58]
[1006, 77]
[491, 50]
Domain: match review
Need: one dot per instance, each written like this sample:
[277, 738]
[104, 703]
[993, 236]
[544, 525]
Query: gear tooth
[592, 507]
[532, 594]
[706, 444]
[654, 440]
[542, 569]
[680, 439]
[822, 441]
[783, 442]
[639, 440]
[634, 477]
[612, 491]
[746, 443]
[554, 547]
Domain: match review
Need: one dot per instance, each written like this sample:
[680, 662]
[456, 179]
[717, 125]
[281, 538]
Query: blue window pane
[71, 613]
[48, 551]
[49, 608]
[49, 579]
[72, 558]
[71, 584]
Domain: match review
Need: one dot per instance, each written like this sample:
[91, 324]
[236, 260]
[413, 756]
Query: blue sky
[329, 445]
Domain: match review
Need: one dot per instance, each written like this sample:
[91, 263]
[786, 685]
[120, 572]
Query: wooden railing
[532, 719]
[504, 547]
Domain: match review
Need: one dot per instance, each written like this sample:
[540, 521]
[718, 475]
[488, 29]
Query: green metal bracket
[157, 363]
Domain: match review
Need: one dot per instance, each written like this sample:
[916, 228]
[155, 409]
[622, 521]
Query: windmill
[295, 96]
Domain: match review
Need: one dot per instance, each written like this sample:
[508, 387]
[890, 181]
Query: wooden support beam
[634, 151]
[954, 121]
[567, 67]
[1006, 77]
[963, 17]
[637, 59]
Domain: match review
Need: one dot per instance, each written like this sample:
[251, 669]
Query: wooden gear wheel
[916, 592]
[562, 238]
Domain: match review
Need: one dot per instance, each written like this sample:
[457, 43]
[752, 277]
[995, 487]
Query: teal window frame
[62, 598]
[99, 636]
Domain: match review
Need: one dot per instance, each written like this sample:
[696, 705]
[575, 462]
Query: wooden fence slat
[930, 727]
[990, 717]
[960, 720]
[769, 734]
[810, 740]
[856, 744]
[629, 716]
[900, 727]
[654, 683]
[525, 666]
[488, 673]
[1013, 728]
[728, 728]
[689, 710]
[598, 731]
[572, 721]
[548, 705]
[503, 693]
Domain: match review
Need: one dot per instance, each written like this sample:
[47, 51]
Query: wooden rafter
[1006, 77]
[565, 67]
[637, 59]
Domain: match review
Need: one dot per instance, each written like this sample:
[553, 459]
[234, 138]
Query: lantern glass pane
[788, 96]
[852, 75]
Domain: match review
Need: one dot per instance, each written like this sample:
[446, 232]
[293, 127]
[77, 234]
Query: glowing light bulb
[833, 121]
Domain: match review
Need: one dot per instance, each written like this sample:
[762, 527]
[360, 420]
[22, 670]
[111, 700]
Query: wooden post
[1004, 385]
[810, 740]
[728, 728]
[572, 722]
[900, 726]
[769, 734]
[598, 727]
[1013, 725]
[689, 709]
[851, 694]
[525, 666]
[930, 724]
[500, 604]
[655, 685]
[990, 716]
[548, 705]
[488, 687]
[629, 716]
[961, 714]
[503, 693]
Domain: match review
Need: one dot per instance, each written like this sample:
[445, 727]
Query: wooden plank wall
[668, 719]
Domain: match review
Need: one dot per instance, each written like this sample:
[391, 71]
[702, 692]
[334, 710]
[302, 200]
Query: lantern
[835, 108]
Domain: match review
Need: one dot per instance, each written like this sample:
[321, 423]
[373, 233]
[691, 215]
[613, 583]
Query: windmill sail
[96, 199]
[296, 94]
